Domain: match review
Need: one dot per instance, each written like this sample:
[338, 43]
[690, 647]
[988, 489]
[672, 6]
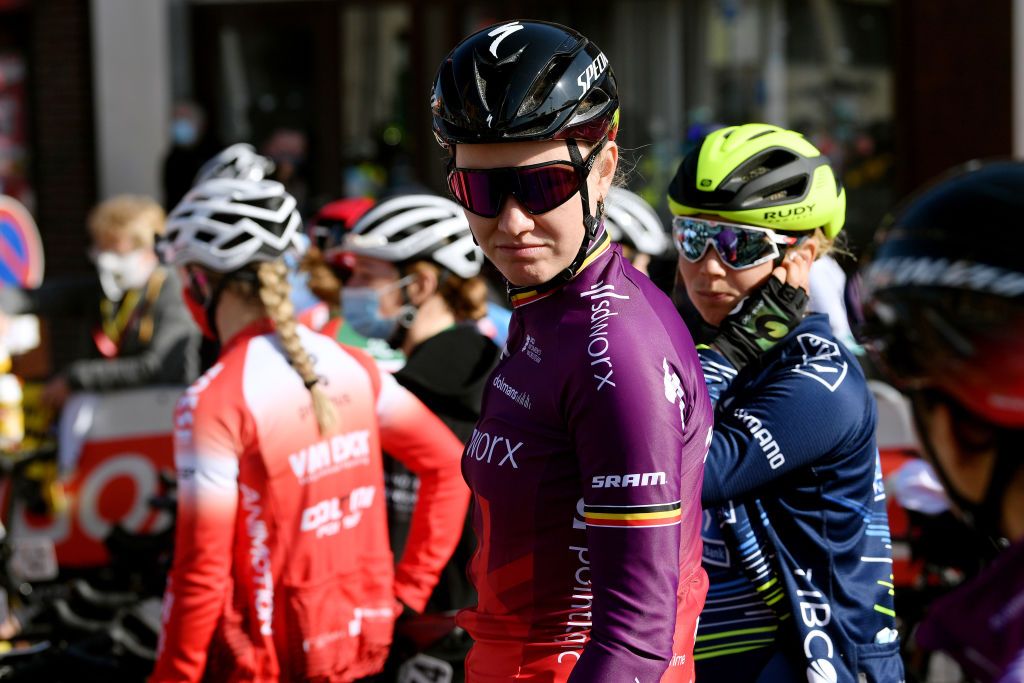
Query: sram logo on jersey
[599, 348]
[328, 517]
[613, 481]
[337, 453]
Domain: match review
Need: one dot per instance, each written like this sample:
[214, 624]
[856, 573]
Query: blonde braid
[276, 297]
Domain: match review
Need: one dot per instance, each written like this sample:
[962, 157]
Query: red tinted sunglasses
[539, 188]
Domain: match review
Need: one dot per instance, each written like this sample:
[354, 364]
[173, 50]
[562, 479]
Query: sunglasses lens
[479, 191]
[544, 188]
[737, 246]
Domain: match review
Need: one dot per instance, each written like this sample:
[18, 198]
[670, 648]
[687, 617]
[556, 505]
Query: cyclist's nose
[711, 263]
[514, 220]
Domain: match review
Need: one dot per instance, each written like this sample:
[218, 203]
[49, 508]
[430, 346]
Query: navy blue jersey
[797, 538]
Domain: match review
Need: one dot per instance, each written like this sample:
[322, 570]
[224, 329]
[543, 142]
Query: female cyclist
[415, 280]
[945, 315]
[796, 541]
[586, 463]
[282, 569]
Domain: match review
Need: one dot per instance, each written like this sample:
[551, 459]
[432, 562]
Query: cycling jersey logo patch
[520, 397]
[531, 349]
[822, 361]
[822, 671]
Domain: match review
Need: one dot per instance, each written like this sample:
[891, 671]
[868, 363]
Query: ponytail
[276, 297]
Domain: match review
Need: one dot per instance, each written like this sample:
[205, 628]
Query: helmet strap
[984, 517]
[591, 223]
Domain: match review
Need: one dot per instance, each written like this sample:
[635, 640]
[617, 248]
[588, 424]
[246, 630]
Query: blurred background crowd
[118, 96]
[105, 98]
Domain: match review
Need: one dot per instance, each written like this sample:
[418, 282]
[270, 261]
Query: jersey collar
[521, 296]
[253, 329]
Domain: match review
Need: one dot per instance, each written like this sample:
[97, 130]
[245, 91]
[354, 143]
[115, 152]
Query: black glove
[765, 318]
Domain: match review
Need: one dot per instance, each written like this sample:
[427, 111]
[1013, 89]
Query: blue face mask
[184, 132]
[361, 308]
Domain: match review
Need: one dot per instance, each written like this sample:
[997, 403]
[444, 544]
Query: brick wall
[63, 166]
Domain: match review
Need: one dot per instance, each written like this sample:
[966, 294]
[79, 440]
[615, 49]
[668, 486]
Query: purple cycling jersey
[981, 623]
[586, 469]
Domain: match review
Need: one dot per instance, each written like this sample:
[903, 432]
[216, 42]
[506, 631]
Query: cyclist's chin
[526, 270]
[713, 308]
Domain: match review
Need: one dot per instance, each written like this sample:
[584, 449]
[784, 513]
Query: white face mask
[120, 273]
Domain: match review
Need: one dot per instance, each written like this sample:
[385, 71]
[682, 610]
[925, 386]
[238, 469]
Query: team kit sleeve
[420, 441]
[789, 422]
[206, 455]
[640, 470]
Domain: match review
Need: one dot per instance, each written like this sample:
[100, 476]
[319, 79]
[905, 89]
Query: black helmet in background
[943, 306]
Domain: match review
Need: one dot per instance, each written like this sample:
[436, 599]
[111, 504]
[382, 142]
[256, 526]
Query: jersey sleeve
[639, 419]
[206, 454]
[792, 419]
[419, 440]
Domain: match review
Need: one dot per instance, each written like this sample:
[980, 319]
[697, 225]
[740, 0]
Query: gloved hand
[765, 318]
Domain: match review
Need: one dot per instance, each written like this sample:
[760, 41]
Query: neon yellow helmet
[762, 175]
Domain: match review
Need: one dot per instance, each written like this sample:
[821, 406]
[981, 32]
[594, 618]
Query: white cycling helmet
[224, 224]
[631, 221]
[417, 226]
[239, 161]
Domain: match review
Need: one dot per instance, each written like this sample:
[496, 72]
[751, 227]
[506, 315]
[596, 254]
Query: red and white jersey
[282, 568]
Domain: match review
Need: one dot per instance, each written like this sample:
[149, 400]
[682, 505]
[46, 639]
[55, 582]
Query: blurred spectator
[288, 149]
[190, 147]
[141, 332]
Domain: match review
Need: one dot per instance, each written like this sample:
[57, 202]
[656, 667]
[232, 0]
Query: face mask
[184, 132]
[361, 307]
[120, 273]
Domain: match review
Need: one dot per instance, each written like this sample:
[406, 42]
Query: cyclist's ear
[424, 285]
[604, 169]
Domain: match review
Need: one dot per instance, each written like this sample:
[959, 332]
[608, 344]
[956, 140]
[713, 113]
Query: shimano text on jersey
[769, 446]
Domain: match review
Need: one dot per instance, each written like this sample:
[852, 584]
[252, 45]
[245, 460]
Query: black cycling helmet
[523, 81]
[943, 299]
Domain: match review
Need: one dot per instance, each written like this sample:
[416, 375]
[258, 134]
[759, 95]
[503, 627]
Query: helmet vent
[793, 188]
[236, 240]
[539, 92]
[542, 86]
[204, 235]
[267, 203]
[491, 85]
[595, 100]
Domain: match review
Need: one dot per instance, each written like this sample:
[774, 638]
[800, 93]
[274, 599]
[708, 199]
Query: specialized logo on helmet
[591, 73]
[501, 33]
[706, 182]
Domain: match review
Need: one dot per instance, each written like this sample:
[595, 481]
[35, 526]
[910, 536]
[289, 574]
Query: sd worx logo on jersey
[495, 450]
[599, 347]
